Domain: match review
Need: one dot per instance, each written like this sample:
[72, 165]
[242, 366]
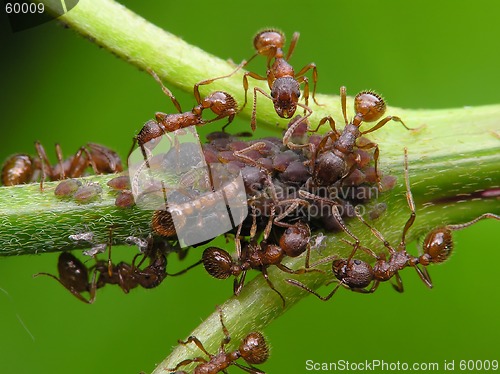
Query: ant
[130, 276]
[253, 349]
[334, 158]
[281, 78]
[357, 274]
[74, 275]
[219, 102]
[22, 168]
[259, 256]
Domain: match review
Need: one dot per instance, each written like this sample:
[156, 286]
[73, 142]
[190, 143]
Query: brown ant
[219, 102]
[22, 168]
[356, 274]
[334, 158]
[74, 275]
[281, 78]
[259, 256]
[130, 276]
[253, 349]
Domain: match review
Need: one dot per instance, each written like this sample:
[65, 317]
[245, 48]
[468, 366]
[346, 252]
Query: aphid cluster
[299, 183]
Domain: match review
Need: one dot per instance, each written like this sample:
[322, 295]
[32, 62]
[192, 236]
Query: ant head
[217, 262]
[221, 103]
[328, 169]
[438, 245]
[295, 239]
[285, 93]
[369, 106]
[254, 349]
[355, 274]
[267, 41]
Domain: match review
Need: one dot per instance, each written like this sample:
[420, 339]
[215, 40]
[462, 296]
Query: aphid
[335, 158]
[22, 168]
[253, 349]
[87, 193]
[74, 276]
[356, 274]
[67, 188]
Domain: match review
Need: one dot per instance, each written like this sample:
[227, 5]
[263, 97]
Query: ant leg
[186, 362]
[185, 270]
[238, 283]
[70, 289]
[195, 340]
[399, 283]
[249, 369]
[60, 161]
[293, 124]
[245, 84]
[165, 90]
[253, 121]
[270, 284]
[293, 43]
[363, 290]
[424, 275]
[45, 163]
[383, 121]
[227, 338]
[93, 287]
[411, 203]
[305, 288]
[374, 231]
[343, 100]
[467, 224]
[314, 76]
[376, 155]
[323, 120]
[307, 269]
[306, 89]
[254, 147]
[336, 215]
[196, 87]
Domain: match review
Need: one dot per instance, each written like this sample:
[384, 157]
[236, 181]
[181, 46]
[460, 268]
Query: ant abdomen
[218, 263]
[369, 105]
[267, 40]
[253, 348]
[355, 274]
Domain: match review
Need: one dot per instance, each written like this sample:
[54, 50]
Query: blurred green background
[56, 86]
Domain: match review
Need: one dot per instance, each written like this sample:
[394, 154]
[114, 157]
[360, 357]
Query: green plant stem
[454, 155]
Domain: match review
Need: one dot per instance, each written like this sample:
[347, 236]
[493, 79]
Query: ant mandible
[334, 157]
[356, 274]
[22, 168]
[253, 349]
